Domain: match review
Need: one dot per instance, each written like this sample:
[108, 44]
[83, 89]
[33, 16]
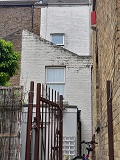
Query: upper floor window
[58, 39]
[55, 79]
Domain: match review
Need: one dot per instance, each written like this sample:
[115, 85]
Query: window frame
[58, 34]
[56, 83]
[55, 67]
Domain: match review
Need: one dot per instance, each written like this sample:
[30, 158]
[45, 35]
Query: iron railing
[44, 135]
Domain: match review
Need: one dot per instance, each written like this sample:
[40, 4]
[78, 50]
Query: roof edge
[59, 47]
[50, 4]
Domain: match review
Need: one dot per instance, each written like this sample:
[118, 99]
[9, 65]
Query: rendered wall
[69, 131]
[73, 21]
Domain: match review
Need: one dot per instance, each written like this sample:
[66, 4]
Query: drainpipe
[32, 11]
[90, 30]
[92, 96]
[110, 121]
[90, 53]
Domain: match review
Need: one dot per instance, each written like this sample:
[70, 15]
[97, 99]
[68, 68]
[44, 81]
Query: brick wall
[38, 53]
[107, 68]
[36, 20]
[13, 19]
[15, 38]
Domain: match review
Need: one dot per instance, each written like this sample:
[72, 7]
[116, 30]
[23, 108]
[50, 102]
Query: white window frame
[55, 68]
[58, 34]
[55, 83]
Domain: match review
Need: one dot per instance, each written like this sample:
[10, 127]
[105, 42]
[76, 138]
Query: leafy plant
[9, 61]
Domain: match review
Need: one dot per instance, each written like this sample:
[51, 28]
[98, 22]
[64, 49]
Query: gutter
[32, 12]
[68, 4]
[60, 3]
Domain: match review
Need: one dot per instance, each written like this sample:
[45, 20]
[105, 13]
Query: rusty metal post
[49, 126]
[110, 121]
[29, 121]
[37, 131]
[54, 152]
[52, 128]
[45, 133]
[61, 128]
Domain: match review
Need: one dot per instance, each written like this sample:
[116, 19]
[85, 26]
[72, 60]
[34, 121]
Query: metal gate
[46, 132]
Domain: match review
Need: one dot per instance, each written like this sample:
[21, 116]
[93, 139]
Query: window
[55, 79]
[58, 39]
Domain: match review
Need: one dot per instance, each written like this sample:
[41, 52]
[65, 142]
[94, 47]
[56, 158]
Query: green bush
[9, 61]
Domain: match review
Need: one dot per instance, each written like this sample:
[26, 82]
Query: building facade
[41, 58]
[14, 17]
[106, 79]
[67, 23]
[19, 15]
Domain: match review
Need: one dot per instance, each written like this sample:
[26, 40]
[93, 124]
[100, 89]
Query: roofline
[17, 3]
[56, 46]
[62, 4]
[69, 3]
[36, 3]
[64, 49]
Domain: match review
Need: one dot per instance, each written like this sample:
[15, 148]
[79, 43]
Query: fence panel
[10, 122]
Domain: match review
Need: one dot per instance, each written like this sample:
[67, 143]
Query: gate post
[61, 128]
[110, 121]
[29, 121]
[37, 131]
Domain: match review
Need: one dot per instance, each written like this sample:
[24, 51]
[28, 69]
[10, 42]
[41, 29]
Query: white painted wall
[69, 131]
[69, 117]
[73, 21]
[38, 53]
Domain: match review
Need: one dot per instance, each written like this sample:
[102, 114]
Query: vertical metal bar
[37, 131]
[54, 129]
[42, 141]
[110, 119]
[45, 125]
[11, 121]
[51, 126]
[93, 147]
[57, 126]
[43, 114]
[32, 12]
[29, 120]
[57, 137]
[61, 128]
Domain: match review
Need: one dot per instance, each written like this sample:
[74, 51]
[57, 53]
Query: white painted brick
[73, 21]
[37, 53]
